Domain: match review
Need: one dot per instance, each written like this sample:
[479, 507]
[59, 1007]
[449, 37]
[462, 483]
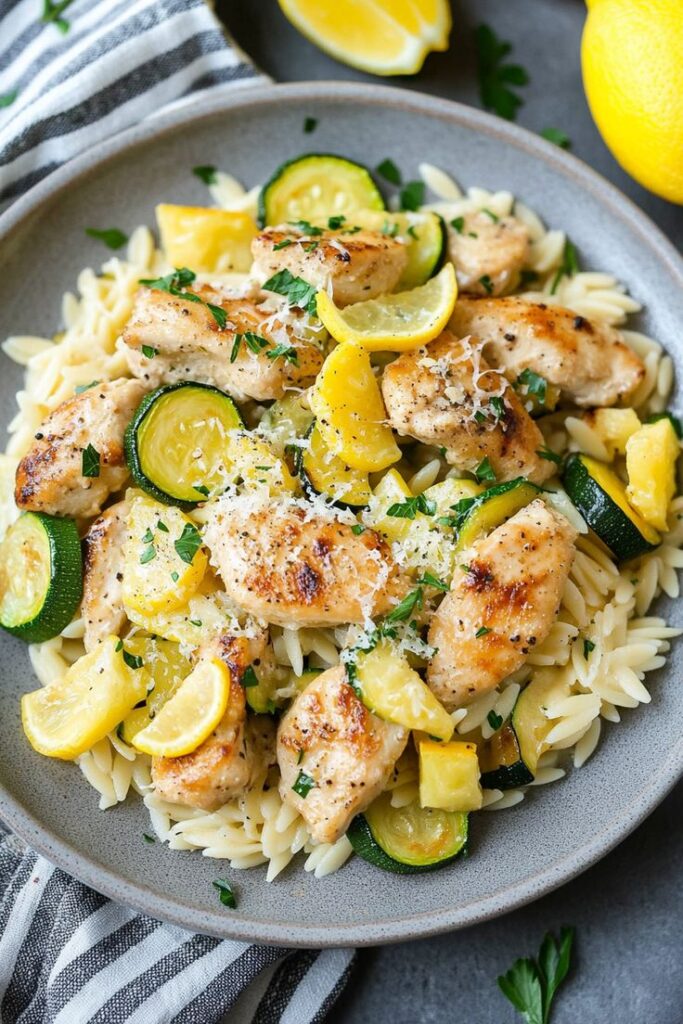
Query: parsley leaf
[534, 384]
[297, 291]
[310, 125]
[522, 987]
[288, 352]
[489, 213]
[494, 720]
[557, 136]
[90, 462]
[568, 266]
[8, 99]
[588, 646]
[149, 352]
[531, 985]
[412, 195]
[249, 677]
[357, 529]
[148, 555]
[52, 12]
[80, 388]
[432, 581]
[486, 283]
[389, 171]
[235, 347]
[177, 284]
[189, 543]
[304, 784]
[254, 342]
[113, 238]
[336, 221]
[498, 406]
[484, 471]
[496, 77]
[405, 609]
[458, 224]
[225, 893]
[148, 838]
[133, 661]
[409, 508]
[482, 631]
[306, 228]
[549, 455]
[205, 173]
[283, 244]
[202, 489]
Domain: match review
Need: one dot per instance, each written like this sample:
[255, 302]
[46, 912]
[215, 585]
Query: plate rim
[402, 927]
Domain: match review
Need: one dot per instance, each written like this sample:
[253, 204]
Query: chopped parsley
[389, 228]
[412, 196]
[225, 893]
[413, 232]
[177, 284]
[196, 622]
[189, 543]
[175, 576]
[148, 838]
[297, 291]
[531, 985]
[310, 125]
[80, 388]
[498, 406]
[52, 12]
[306, 228]
[458, 224]
[336, 221]
[90, 462]
[9, 97]
[304, 784]
[588, 646]
[162, 526]
[489, 213]
[202, 489]
[113, 238]
[432, 581]
[311, 246]
[549, 454]
[486, 283]
[205, 173]
[254, 342]
[535, 384]
[300, 755]
[389, 171]
[149, 352]
[494, 720]
[283, 244]
[568, 267]
[496, 78]
[249, 677]
[133, 661]
[482, 631]
[409, 508]
[287, 352]
[557, 136]
[484, 471]
[148, 555]
[358, 528]
[235, 347]
[405, 609]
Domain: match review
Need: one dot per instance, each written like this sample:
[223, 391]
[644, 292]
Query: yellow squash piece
[394, 323]
[390, 688]
[190, 715]
[163, 562]
[449, 776]
[651, 455]
[384, 37]
[70, 715]
[253, 463]
[167, 667]
[614, 427]
[206, 240]
[350, 412]
[391, 490]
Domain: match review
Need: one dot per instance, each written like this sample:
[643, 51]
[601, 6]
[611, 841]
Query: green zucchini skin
[603, 515]
[502, 750]
[279, 178]
[65, 588]
[519, 491]
[130, 440]
[366, 846]
[307, 483]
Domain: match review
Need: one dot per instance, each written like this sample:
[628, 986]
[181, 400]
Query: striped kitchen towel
[73, 73]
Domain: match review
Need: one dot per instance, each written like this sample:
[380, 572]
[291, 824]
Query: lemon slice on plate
[384, 37]
[394, 323]
[190, 715]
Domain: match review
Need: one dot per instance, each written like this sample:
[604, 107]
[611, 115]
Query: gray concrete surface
[628, 909]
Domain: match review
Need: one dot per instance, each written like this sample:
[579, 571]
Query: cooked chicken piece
[286, 563]
[102, 604]
[488, 252]
[447, 395]
[330, 737]
[588, 362]
[50, 477]
[189, 345]
[220, 768]
[503, 600]
[359, 266]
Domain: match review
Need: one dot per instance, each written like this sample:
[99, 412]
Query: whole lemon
[632, 60]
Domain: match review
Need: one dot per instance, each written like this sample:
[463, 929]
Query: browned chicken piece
[188, 344]
[288, 564]
[358, 266]
[102, 604]
[447, 395]
[50, 477]
[220, 768]
[503, 600]
[348, 752]
[488, 252]
[588, 362]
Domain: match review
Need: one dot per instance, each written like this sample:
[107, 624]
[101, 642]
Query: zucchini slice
[478, 516]
[287, 419]
[500, 758]
[314, 186]
[323, 472]
[407, 840]
[41, 576]
[170, 426]
[260, 688]
[600, 497]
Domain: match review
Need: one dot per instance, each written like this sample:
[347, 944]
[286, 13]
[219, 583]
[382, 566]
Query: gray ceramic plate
[516, 855]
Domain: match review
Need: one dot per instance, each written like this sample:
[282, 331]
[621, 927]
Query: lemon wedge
[394, 323]
[67, 717]
[384, 37]
[190, 715]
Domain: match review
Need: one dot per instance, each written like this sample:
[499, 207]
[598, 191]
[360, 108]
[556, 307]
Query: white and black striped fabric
[109, 65]
[67, 954]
